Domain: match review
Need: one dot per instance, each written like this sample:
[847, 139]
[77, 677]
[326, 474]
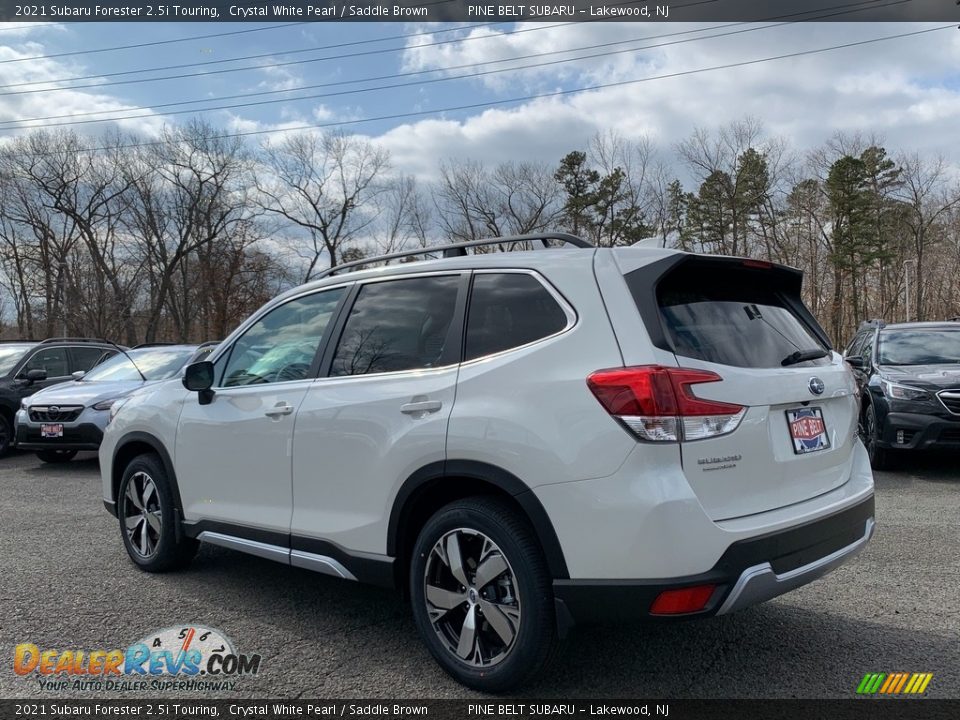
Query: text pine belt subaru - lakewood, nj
[519, 441]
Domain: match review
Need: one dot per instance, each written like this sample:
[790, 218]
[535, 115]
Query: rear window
[732, 320]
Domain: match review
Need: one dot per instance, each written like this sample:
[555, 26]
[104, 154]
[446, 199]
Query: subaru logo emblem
[55, 409]
[816, 386]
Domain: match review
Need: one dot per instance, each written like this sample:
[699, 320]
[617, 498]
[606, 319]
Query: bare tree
[930, 197]
[325, 185]
[86, 189]
[184, 193]
[513, 199]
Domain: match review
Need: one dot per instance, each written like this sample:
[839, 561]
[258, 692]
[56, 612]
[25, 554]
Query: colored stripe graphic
[871, 683]
[894, 683]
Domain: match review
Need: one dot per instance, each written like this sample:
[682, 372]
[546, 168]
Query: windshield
[155, 363]
[919, 347]
[9, 355]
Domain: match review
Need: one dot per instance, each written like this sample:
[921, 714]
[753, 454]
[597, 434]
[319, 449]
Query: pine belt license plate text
[807, 430]
[51, 431]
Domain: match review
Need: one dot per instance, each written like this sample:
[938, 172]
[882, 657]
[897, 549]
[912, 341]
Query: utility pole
[906, 283]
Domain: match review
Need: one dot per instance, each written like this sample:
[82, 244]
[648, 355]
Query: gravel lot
[66, 583]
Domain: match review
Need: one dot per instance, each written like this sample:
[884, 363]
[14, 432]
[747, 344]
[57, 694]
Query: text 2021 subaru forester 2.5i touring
[520, 441]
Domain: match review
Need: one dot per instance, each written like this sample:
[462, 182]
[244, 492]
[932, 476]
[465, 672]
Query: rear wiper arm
[803, 355]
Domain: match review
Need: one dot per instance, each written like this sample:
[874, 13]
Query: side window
[281, 345]
[53, 360]
[84, 358]
[867, 352]
[854, 347]
[508, 310]
[398, 325]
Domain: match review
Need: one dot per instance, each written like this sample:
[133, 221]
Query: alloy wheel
[5, 435]
[142, 517]
[472, 597]
[870, 431]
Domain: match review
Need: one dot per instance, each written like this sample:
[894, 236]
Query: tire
[56, 456]
[147, 515]
[516, 589]
[880, 458]
[6, 434]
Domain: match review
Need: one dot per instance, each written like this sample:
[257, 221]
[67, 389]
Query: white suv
[518, 440]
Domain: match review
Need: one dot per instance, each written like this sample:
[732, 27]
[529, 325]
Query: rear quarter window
[508, 310]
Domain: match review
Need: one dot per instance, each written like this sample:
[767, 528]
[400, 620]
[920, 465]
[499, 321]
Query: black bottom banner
[860, 709]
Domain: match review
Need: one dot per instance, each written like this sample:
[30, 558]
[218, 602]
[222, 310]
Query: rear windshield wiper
[803, 355]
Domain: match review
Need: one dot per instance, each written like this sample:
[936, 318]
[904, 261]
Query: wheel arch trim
[430, 475]
[157, 446]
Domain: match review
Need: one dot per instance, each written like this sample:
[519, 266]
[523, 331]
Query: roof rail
[74, 339]
[151, 344]
[876, 322]
[460, 249]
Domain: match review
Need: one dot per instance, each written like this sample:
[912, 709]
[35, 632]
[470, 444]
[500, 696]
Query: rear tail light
[656, 403]
[685, 600]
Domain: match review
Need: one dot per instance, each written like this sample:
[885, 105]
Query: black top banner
[479, 11]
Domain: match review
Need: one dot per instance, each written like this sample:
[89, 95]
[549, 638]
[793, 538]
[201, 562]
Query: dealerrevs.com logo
[190, 657]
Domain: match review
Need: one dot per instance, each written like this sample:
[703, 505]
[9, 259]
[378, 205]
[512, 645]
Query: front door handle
[421, 408]
[279, 410]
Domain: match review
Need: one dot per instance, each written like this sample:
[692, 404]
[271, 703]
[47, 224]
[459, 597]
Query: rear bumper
[84, 436]
[761, 582]
[749, 572]
[920, 432]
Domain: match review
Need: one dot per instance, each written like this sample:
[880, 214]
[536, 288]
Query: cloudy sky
[659, 78]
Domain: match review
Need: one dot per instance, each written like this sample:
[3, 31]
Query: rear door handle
[279, 410]
[421, 408]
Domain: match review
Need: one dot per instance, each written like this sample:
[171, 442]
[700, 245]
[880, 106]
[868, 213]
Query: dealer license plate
[51, 431]
[807, 430]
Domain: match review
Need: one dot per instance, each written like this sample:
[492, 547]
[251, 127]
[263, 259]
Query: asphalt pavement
[66, 583]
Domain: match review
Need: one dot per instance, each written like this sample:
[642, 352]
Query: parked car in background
[521, 441]
[63, 419]
[909, 380]
[27, 366]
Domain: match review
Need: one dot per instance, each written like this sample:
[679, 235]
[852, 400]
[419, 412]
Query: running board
[297, 558]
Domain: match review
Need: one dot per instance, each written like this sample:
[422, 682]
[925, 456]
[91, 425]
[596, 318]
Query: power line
[254, 57]
[216, 62]
[845, 9]
[292, 52]
[536, 96]
[360, 80]
[152, 43]
[31, 26]
[148, 111]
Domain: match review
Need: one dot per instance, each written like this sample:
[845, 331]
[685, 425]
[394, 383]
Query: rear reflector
[685, 600]
[657, 404]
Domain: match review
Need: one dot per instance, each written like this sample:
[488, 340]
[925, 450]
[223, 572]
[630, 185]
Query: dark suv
[909, 378]
[27, 366]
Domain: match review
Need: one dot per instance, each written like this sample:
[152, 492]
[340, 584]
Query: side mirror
[77, 374]
[198, 377]
[854, 361]
[36, 375]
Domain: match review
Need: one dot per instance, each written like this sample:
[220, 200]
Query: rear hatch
[744, 322]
